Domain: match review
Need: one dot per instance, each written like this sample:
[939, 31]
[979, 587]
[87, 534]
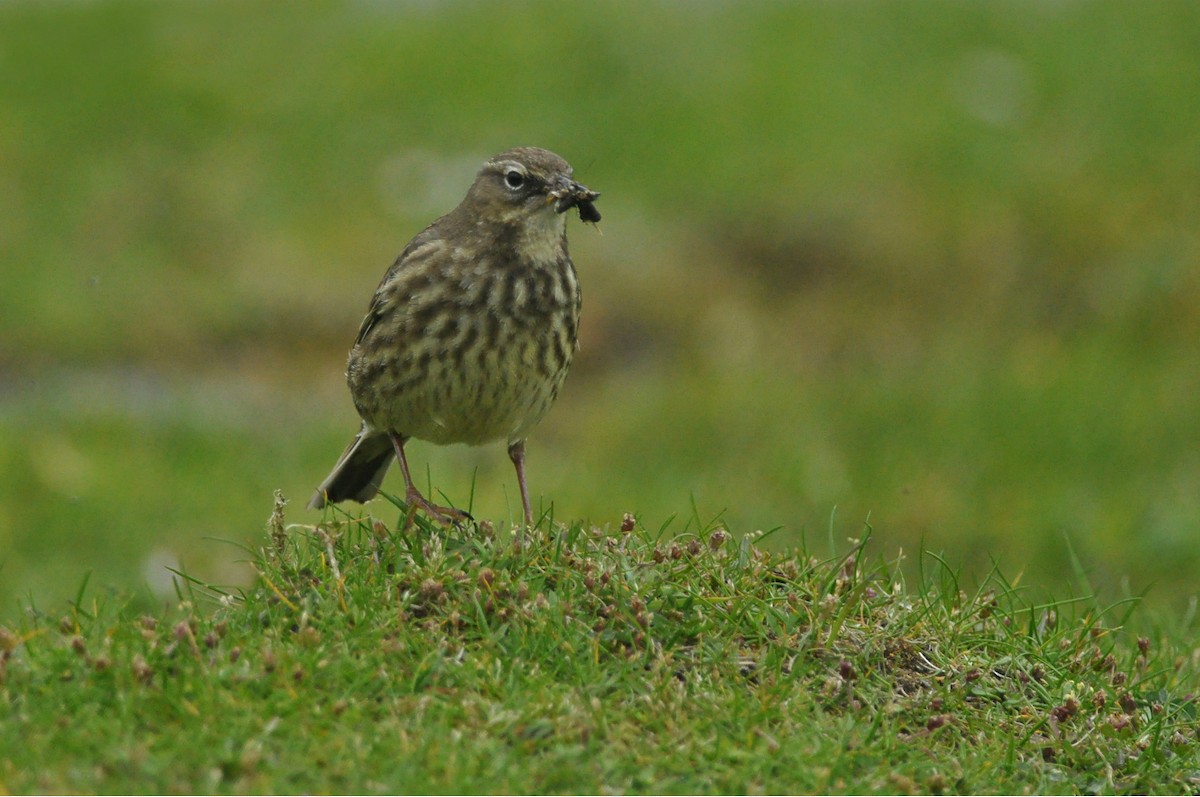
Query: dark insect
[588, 212]
[581, 198]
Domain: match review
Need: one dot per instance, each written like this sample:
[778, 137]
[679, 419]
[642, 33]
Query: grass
[682, 658]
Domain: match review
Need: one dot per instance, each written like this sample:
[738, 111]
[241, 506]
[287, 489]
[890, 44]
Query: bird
[471, 332]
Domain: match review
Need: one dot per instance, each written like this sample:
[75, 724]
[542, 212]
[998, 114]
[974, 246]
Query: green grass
[679, 659]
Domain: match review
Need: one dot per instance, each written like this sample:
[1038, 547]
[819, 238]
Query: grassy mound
[565, 659]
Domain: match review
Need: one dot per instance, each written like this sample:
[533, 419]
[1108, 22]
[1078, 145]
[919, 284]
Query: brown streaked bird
[471, 332]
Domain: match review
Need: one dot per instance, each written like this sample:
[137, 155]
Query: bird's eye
[514, 179]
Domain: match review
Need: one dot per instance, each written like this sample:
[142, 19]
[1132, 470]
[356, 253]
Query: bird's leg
[516, 452]
[444, 515]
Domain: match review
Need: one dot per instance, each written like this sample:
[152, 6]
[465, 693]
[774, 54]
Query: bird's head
[531, 185]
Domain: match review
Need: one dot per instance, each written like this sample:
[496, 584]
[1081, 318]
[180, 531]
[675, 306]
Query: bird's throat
[542, 239]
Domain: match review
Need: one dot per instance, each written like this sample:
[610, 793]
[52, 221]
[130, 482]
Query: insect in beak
[571, 194]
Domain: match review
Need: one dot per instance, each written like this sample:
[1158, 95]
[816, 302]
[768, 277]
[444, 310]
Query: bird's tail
[358, 472]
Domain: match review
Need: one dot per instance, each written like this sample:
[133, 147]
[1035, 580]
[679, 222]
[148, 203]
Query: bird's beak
[569, 194]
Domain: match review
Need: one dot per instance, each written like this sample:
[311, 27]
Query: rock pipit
[471, 332]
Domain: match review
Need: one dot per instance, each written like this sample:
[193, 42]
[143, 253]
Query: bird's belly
[500, 401]
[463, 394]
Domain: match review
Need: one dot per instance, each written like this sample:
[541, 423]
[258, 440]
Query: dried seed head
[627, 523]
[1067, 709]
[717, 539]
[141, 670]
[900, 784]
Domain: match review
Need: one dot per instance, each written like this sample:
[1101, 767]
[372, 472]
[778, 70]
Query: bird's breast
[475, 355]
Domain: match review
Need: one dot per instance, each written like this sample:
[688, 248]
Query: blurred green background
[932, 263]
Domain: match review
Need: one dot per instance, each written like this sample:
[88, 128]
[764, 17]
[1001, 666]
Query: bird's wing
[425, 245]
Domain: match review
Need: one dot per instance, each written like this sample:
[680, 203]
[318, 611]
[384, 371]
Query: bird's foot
[442, 515]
